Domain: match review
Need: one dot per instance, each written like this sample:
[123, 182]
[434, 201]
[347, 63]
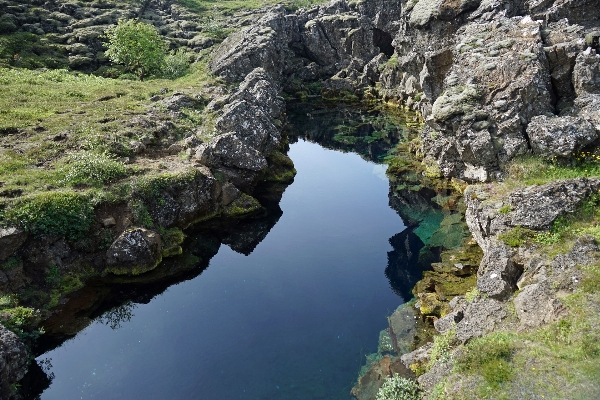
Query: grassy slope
[559, 361]
[65, 143]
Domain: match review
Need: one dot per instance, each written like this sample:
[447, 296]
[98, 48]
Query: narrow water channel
[294, 319]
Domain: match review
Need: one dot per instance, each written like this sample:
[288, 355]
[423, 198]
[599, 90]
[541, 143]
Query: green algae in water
[430, 223]
[385, 342]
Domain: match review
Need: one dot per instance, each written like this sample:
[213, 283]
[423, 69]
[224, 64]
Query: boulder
[586, 73]
[10, 240]
[480, 317]
[230, 150]
[537, 207]
[134, 252]
[250, 124]
[535, 306]
[13, 360]
[560, 136]
[498, 274]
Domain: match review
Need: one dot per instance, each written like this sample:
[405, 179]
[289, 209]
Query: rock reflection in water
[113, 300]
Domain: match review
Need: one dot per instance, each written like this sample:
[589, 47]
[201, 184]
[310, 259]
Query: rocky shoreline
[494, 80]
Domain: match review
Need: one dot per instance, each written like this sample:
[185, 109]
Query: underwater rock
[368, 384]
[402, 328]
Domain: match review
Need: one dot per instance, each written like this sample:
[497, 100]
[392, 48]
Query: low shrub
[63, 213]
[399, 388]
[92, 169]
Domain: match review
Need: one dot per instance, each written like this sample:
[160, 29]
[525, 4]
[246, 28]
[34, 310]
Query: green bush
[63, 213]
[399, 388]
[138, 46]
[177, 64]
[92, 169]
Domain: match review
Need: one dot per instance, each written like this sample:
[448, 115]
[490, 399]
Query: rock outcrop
[491, 78]
[13, 361]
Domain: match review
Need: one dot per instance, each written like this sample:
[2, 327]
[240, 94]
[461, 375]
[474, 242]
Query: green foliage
[391, 63]
[505, 209]
[138, 46]
[472, 295]
[490, 357]
[399, 388]
[64, 213]
[141, 216]
[177, 64]
[441, 347]
[92, 169]
[21, 321]
[10, 263]
[517, 236]
[53, 276]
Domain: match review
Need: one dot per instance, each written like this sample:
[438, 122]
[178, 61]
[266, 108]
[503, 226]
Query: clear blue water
[292, 320]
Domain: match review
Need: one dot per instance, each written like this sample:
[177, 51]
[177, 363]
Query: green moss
[517, 236]
[131, 270]
[243, 205]
[281, 168]
[505, 209]
[171, 239]
[10, 263]
[63, 213]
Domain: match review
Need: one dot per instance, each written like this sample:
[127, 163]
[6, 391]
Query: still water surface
[293, 320]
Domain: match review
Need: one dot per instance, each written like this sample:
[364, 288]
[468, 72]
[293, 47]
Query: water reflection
[294, 320]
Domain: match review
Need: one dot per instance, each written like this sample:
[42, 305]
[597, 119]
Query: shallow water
[293, 320]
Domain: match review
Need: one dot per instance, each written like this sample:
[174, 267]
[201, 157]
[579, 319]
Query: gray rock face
[498, 273]
[586, 73]
[419, 355]
[537, 207]
[262, 45]
[539, 302]
[480, 317]
[10, 240]
[135, 251]
[250, 124]
[559, 136]
[534, 207]
[311, 44]
[429, 379]
[13, 358]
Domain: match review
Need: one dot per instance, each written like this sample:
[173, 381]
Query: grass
[558, 361]
[64, 213]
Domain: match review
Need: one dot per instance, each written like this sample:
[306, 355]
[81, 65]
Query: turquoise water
[292, 320]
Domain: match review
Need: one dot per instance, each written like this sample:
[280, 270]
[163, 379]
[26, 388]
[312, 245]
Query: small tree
[136, 45]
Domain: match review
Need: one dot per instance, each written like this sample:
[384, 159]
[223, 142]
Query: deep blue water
[293, 320]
